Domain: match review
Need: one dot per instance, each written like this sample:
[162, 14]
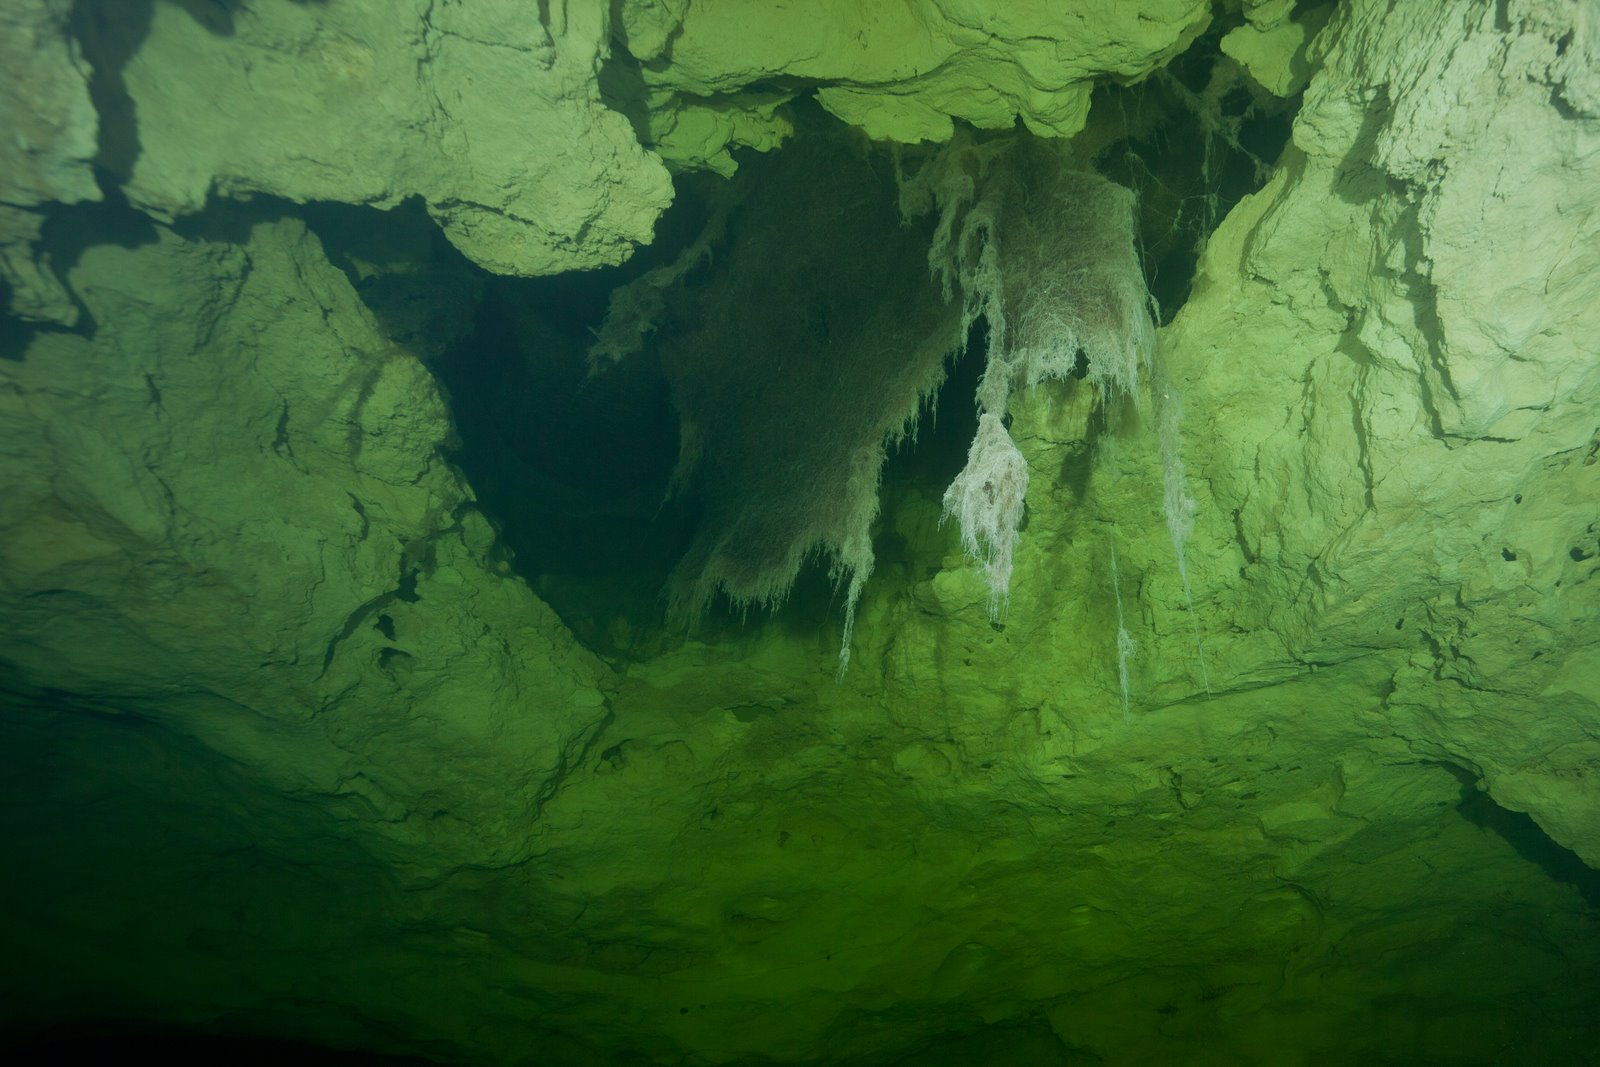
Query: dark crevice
[110, 32]
[1192, 141]
[570, 469]
[573, 470]
[66, 232]
[1528, 838]
[621, 81]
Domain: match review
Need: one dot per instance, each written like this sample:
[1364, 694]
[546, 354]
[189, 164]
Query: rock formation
[338, 701]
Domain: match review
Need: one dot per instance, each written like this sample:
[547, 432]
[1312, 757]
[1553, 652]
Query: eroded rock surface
[231, 516]
[46, 154]
[488, 113]
[901, 72]
[293, 747]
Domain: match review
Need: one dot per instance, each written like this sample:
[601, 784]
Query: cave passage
[578, 460]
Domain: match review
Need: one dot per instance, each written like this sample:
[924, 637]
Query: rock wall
[293, 750]
[227, 512]
[1409, 407]
[47, 158]
[900, 72]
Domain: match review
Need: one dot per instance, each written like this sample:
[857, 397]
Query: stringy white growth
[1078, 285]
[987, 500]
[1176, 502]
[1126, 646]
[1044, 254]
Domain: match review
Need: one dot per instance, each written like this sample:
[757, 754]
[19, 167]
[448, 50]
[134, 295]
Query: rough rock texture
[46, 153]
[900, 71]
[488, 112]
[230, 517]
[1273, 43]
[290, 750]
[1426, 385]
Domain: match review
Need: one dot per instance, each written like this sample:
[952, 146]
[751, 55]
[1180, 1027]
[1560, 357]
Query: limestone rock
[488, 114]
[233, 518]
[291, 747]
[1414, 398]
[47, 152]
[694, 134]
[903, 72]
[1273, 42]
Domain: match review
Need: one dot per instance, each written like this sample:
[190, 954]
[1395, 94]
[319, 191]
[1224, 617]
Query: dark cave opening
[574, 461]
[575, 468]
[571, 468]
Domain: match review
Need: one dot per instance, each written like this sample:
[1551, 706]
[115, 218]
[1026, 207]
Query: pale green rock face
[46, 152]
[371, 371]
[903, 72]
[476, 113]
